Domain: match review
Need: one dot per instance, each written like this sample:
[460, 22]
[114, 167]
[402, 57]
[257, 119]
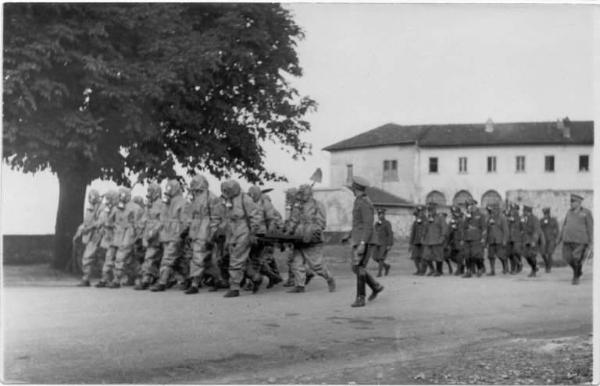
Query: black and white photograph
[304, 193]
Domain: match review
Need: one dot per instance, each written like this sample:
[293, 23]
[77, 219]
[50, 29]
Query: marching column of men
[508, 236]
[220, 242]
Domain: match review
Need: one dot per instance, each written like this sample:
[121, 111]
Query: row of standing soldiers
[210, 240]
[507, 235]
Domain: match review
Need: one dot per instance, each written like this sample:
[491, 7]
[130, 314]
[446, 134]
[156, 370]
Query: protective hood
[305, 192]
[154, 192]
[173, 188]
[93, 196]
[199, 182]
[230, 189]
[255, 192]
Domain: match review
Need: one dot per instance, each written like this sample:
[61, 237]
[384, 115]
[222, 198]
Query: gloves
[361, 249]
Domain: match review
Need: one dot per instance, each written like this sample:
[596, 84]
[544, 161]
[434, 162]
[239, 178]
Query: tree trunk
[71, 201]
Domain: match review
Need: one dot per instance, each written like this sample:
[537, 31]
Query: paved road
[57, 333]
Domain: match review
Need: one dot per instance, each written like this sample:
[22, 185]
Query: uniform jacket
[475, 227]
[532, 232]
[515, 227]
[126, 221]
[363, 215]
[383, 234]
[417, 230]
[310, 218]
[87, 228]
[241, 220]
[150, 223]
[455, 232]
[497, 229]
[202, 216]
[550, 229]
[106, 220]
[173, 221]
[578, 227]
[435, 230]
[270, 217]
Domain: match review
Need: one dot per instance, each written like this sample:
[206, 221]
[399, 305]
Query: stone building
[539, 163]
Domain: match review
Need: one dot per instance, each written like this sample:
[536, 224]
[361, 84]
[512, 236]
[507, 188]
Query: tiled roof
[458, 135]
[380, 197]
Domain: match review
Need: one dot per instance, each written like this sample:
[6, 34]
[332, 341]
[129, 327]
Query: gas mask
[122, 202]
[166, 198]
[93, 197]
[228, 202]
[492, 221]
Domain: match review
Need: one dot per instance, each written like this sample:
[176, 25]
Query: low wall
[557, 200]
[27, 249]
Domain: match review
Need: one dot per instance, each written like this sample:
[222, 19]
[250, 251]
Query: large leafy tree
[112, 90]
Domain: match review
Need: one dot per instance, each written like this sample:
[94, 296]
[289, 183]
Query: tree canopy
[97, 90]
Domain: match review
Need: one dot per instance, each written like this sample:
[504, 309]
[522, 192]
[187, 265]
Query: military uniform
[551, 232]
[532, 238]
[577, 235]
[150, 225]
[361, 235]
[382, 242]
[474, 233]
[515, 239]
[497, 239]
[454, 241]
[310, 225]
[126, 217]
[434, 235]
[415, 240]
[90, 234]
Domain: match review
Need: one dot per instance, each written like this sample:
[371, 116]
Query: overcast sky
[367, 65]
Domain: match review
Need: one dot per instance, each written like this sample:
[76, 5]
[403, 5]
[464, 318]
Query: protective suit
[90, 234]
[107, 221]
[150, 225]
[243, 223]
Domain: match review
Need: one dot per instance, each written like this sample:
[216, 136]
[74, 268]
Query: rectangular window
[491, 164]
[349, 174]
[433, 165]
[390, 170]
[549, 163]
[584, 163]
[462, 164]
[520, 163]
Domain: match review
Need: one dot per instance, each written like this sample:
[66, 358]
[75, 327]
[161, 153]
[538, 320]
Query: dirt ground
[421, 330]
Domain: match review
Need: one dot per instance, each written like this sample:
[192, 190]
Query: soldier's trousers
[311, 256]
[238, 257]
[201, 259]
[514, 252]
[123, 259]
[417, 256]
[151, 263]
[497, 251]
[547, 252]
[363, 277]
[171, 256]
[473, 250]
[90, 253]
[573, 254]
[109, 263]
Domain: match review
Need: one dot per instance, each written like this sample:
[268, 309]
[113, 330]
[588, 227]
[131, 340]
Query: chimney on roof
[489, 126]
[564, 125]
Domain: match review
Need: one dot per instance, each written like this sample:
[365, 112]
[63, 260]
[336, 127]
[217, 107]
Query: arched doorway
[461, 198]
[437, 197]
[491, 197]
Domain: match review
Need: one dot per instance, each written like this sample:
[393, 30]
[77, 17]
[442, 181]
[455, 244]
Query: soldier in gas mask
[475, 234]
[171, 231]
[415, 240]
[454, 248]
[550, 229]
[497, 238]
[532, 238]
[150, 226]
[107, 221]
[433, 239]
[515, 239]
[90, 235]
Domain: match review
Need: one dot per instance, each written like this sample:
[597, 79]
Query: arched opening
[461, 198]
[491, 197]
[437, 197]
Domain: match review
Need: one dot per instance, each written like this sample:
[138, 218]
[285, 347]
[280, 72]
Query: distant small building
[491, 162]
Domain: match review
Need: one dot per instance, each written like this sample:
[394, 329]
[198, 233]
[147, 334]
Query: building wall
[477, 180]
[368, 163]
[557, 200]
[339, 203]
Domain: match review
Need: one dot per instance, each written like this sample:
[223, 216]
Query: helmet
[230, 188]
[124, 194]
[290, 195]
[138, 200]
[154, 192]
[93, 196]
[199, 182]
[305, 192]
[112, 197]
[255, 192]
[173, 188]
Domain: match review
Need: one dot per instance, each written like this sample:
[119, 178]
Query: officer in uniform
[90, 235]
[551, 233]
[203, 217]
[173, 226]
[497, 238]
[310, 225]
[532, 238]
[577, 236]
[150, 226]
[454, 248]
[475, 234]
[361, 235]
[415, 240]
[515, 238]
[433, 239]
[383, 241]
[107, 221]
